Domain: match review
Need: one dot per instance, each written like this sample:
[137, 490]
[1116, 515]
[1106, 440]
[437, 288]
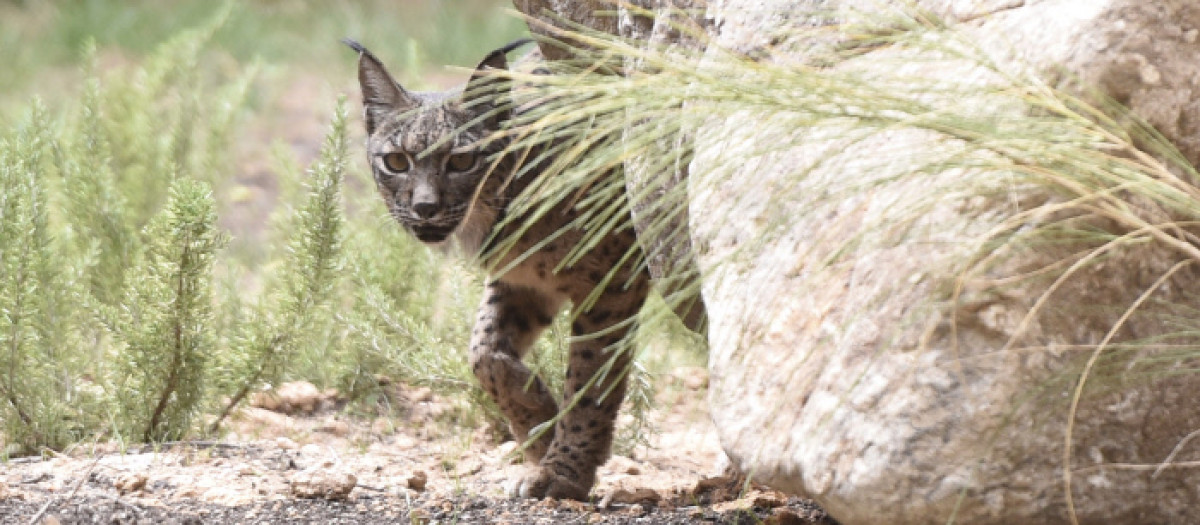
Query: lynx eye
[396, 162]
[460, 161]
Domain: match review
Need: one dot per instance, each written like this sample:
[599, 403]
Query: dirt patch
[324, 466]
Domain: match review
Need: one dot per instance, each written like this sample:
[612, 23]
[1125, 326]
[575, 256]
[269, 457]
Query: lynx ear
[487, 89]
[496, 60]
[381, 94]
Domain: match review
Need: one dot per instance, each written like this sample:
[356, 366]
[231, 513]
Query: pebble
[299, 396]
[293, 397]
[635, 510]
[323, 484]
[382, 426]
[767, 499]
[286, 444]
[755, 499]
[421, 395]
[126, 483]
[639, 496]
[335, 427]
[575, 506]
[417, 480]
[737, 505]
[468, 467]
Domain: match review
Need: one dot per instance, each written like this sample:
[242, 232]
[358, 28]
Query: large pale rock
[840, 366]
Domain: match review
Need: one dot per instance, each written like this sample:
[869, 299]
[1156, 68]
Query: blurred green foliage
[42, 40]
[124, 314]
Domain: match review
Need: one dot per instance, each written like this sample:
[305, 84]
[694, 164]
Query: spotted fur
[440, 203]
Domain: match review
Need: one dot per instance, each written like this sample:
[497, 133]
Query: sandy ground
[308, 461]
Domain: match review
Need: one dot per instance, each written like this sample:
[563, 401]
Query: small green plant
[302, 291]
[164, 324]
[40, 320]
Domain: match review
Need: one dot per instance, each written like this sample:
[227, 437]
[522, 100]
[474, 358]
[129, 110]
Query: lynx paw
[543, 483]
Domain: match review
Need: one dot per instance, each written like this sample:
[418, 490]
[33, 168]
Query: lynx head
[429, 151]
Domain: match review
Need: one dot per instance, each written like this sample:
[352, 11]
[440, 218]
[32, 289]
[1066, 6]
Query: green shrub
[46, 399]
[164, 325]
[109, 245]
[297, 302]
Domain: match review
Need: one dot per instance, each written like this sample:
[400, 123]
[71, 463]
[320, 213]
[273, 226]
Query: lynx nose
[425, 210]
[424, 200]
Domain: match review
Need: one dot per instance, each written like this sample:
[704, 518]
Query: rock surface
[839, 371]
[843, 364]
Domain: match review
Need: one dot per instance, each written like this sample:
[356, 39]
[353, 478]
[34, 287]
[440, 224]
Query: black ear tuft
[497, 59]
[488, 89]
[381, 93]
[355, 46]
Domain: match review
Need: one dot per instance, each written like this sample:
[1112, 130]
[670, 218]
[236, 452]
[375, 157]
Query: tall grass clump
[1078, 178]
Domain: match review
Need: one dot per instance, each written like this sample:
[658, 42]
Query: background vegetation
[164, 252]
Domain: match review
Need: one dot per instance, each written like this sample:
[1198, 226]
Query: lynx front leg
[509, 321]
[583, 436]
